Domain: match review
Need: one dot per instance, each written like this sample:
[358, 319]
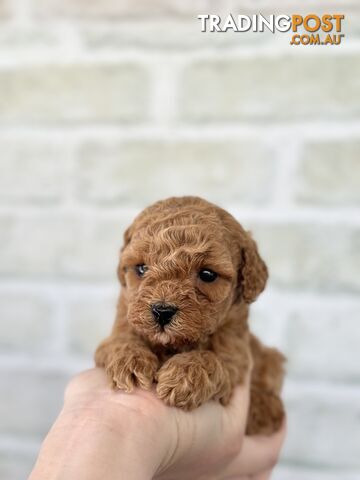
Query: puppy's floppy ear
[120, 269]
[253, 272]
[127, 237]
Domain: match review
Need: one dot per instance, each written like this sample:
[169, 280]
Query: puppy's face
[184, 264]
[179, 283]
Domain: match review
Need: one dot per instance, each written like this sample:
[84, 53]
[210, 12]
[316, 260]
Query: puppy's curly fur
[206, 349]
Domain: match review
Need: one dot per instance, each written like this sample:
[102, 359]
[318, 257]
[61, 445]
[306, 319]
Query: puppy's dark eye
[207, 275]
[140, 269]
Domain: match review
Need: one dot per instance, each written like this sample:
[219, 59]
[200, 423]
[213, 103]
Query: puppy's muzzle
[163, 313]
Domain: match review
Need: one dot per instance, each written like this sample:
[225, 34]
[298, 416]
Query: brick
[32, 245]
[267, 322]
[329, 173]
[18, 37]
[41, 245]
[15, 465]
[90, 321]
[33, 172]
[119, 8]
[309, 256]
[137, 171]
[322, 426]
[30, 401]
[74, 93]
[323, 342]
[26, 322]
[296, 87]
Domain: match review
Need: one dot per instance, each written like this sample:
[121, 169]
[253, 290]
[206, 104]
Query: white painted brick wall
[70, 93]
[109, 174]
[320, 171]
[108, 105]
[297, 87]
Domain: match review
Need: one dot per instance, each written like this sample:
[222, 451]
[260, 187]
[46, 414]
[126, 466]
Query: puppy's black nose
[163, 313]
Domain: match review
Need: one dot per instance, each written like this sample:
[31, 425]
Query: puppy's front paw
[131, 368]
[187, 380]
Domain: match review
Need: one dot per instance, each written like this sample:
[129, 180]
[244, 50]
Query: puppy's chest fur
[165, 352]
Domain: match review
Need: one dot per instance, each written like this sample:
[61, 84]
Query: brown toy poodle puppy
[188, 272]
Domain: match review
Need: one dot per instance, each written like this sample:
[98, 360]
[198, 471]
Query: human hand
[115, 435]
